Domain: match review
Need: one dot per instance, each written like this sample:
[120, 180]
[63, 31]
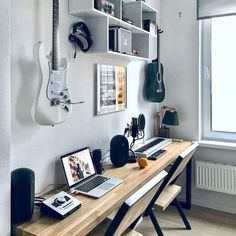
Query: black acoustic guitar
[155, 88]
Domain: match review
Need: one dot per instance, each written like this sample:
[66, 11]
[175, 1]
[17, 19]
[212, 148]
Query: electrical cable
[75, 51]
[40, 194]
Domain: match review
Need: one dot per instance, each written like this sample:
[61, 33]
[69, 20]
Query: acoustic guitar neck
[159, 31]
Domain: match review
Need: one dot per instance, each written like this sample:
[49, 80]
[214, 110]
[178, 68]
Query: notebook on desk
[80, 174]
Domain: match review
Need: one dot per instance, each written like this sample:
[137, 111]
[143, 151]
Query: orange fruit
[143, 162]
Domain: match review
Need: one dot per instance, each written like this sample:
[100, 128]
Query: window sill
[217, 144]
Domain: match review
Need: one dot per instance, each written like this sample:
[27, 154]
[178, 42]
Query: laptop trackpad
[105, 186]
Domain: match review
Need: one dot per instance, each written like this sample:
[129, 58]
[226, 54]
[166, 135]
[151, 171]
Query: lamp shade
[171, 118]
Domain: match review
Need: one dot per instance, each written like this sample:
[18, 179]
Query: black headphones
[81, 36]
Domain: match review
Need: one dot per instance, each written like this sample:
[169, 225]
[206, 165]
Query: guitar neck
[55, 35]
[158, 50]
[157, 60]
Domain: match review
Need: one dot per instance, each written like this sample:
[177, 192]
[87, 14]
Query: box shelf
[99, 22]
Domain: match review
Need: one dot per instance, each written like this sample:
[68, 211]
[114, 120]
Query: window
[218, 78]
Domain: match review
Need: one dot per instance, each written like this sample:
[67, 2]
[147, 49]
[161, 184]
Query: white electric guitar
[53, 104]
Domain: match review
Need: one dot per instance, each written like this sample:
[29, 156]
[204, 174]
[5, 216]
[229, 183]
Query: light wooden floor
[204, 222]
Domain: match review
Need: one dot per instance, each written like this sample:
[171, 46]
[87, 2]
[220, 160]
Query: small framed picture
[111, 88]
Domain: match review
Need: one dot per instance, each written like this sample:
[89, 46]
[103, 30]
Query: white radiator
[216, 177]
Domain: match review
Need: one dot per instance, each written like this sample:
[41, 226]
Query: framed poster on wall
[111, 88]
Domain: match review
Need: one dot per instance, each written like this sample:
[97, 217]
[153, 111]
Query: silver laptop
[81, 175]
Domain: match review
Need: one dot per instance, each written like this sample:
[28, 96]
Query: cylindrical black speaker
[22, 194]
[119, 150]
[97, 160]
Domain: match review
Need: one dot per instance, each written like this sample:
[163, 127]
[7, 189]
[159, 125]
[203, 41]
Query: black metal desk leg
[155, 223]
[187, 203]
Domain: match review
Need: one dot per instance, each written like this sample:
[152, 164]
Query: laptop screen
[77, 166]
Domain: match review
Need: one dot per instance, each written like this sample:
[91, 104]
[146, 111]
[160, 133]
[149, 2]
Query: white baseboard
[212, 206]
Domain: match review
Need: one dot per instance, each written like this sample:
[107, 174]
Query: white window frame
[206, 132]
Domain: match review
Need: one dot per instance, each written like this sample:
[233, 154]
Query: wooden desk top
[94, 211]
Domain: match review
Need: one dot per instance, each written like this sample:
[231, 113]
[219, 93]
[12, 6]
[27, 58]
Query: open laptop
[80, 174]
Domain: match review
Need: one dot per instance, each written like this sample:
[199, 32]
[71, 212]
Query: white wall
[179, 54]
[37, 147]
[5, 121]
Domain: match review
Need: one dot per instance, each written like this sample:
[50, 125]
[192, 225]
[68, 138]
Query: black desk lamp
[170, 118]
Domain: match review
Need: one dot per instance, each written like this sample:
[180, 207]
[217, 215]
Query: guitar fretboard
[158, 49]
[55, 35]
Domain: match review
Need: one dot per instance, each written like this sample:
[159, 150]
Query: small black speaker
[22, 195]
[119, 150]
[97, 160]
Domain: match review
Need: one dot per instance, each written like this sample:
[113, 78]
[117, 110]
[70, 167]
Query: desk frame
[188, 191]
[93, 211]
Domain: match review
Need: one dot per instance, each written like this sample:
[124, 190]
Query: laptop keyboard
[91, 184]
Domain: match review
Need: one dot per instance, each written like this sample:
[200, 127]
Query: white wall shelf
[99, 22]
[117, 55]
[138, 11]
